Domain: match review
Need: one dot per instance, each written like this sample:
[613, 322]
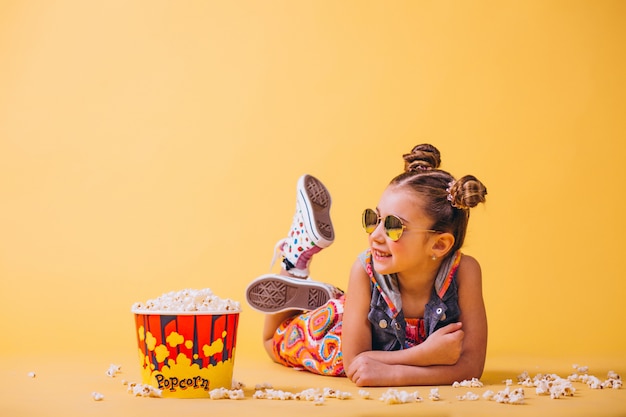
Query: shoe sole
[273, 294]
[314, 201]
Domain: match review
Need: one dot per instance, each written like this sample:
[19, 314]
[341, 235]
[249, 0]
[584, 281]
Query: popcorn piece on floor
[271, 394]
[580, 369]
[144, 390]
[613, 375]
[593, 382]
[364, 394]
[555, 387]
[32, 375]
[113, 370]
[528, 382]
[97, 396]
[333, 393]
[613, 380]
[218, 393]
[262, 386]
[506, 396]
[238, 385]
[516, 396]
[471, 383]
[470, 396]
[434, 394]
[274, 394]
[223, 393]
[394, 396]
[488, 395]
[311, 394]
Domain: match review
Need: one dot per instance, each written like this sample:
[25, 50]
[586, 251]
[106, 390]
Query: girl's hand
[445, 345]
[367, 372]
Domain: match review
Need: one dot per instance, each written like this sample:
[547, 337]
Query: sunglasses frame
[369, 229]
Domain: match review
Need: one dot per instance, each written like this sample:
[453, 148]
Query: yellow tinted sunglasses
[392, 224]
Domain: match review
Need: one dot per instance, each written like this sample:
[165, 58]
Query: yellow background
[150, 146]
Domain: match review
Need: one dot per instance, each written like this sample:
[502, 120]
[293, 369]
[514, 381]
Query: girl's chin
[382, 265]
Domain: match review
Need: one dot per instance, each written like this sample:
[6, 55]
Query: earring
[434, 257]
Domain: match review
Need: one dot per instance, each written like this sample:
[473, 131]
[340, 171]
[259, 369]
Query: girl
[414, 311]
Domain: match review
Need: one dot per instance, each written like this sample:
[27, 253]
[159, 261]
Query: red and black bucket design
[186, 355]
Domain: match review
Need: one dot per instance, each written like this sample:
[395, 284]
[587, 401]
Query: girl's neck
[420, 281]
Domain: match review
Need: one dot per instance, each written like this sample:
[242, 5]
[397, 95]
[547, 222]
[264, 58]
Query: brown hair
[446, 200]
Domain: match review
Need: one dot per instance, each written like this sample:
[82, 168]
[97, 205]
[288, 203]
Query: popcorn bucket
[186, 354]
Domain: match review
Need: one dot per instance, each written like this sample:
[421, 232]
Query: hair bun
[422, 158]
[467, 192]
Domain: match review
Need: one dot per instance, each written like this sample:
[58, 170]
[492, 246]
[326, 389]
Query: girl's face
[413, 250]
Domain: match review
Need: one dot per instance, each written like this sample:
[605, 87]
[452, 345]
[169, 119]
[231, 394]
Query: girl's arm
[356, 335]
[442, 347]
[441, 359]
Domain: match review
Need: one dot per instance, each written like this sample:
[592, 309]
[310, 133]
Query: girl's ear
[442, 244]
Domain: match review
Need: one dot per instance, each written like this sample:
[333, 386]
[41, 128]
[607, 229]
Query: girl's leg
[284, 295]
[273, 320]
[311, 340]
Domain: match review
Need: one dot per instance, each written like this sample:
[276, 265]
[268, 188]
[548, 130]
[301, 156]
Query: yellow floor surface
[63, 386]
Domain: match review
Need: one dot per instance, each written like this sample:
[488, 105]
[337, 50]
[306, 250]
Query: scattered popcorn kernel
[143, 390]
[434, 394]
[319, 401]
[613, 380]
[506, 396]
[97, 396]
[528, 382]
[488, 395]
[580, 369]
[223, 393]
[264, 385]
[472, 383]
[113, 370]
[554, 387]
[593, 382]
[260, 394]
[237, 385]
[333, 393]
[364, 394]
[394, 396]
[516, 396]
[32, 375]
[470, 396]
[311, 394]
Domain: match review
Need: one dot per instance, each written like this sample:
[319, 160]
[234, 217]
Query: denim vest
[385, 315]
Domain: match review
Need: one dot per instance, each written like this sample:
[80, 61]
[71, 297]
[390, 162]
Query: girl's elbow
[472, 369]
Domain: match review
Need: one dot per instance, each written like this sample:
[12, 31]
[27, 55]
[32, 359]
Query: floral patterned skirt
[312, 340]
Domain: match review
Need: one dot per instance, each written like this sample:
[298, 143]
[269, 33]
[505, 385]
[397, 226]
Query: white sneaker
[275, 293]
[311, 229]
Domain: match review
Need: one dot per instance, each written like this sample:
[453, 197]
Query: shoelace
[277, 250]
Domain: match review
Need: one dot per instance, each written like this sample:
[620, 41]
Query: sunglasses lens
[393, 227]
[370, 220]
